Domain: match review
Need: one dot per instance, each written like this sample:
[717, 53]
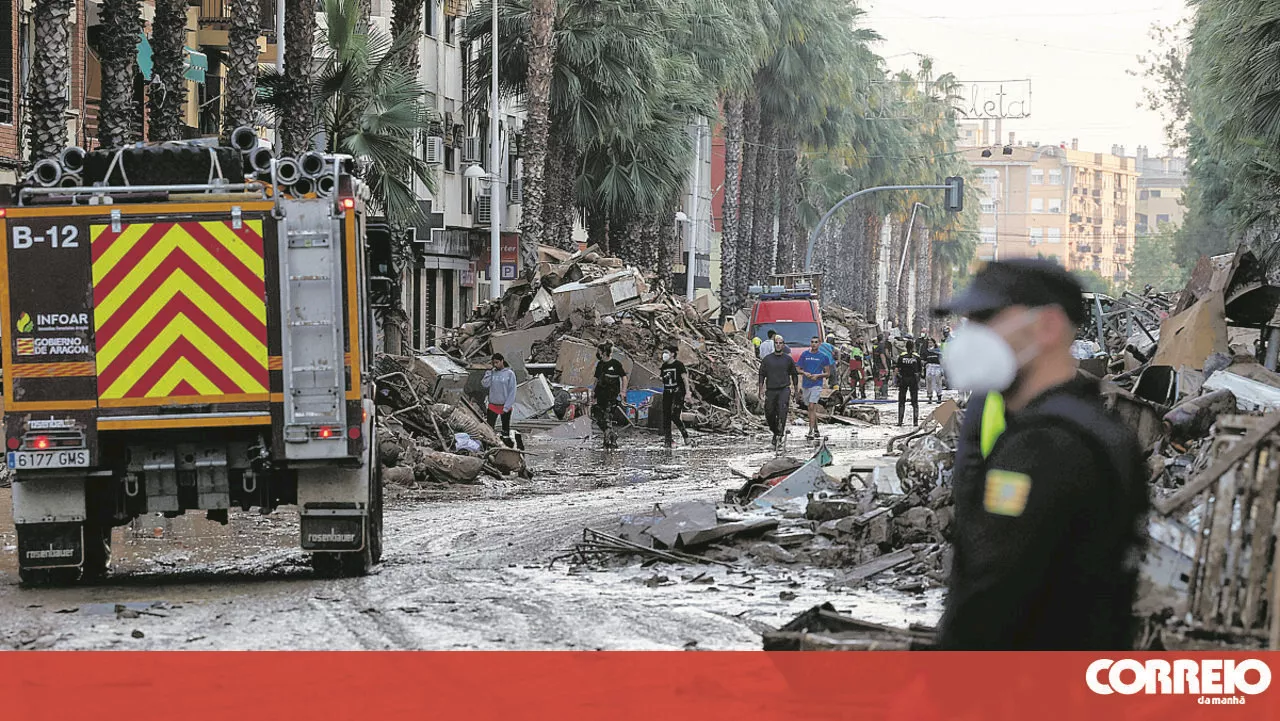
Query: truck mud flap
[51, 545]
[333, 531]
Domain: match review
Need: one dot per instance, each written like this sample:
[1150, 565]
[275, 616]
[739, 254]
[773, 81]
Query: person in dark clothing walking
[610, 388]
[675, 391]
[778, 378]
[908, 370]
[1050, 489]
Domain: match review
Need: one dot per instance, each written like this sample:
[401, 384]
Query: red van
[794, 316]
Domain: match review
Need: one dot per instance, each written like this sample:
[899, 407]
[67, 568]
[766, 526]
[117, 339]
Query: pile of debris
[1195, 379]
[882, 525]
[584, 299]
[421, 440]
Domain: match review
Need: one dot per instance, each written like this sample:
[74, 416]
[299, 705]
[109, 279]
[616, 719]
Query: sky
[1075, 55]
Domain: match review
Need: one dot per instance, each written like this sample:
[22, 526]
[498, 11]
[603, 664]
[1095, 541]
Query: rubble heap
[420, 440]
[585, 299]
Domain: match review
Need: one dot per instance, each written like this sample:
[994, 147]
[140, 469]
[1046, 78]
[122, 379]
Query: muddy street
[466, 567]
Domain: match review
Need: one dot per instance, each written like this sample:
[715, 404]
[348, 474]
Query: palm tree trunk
[875, 225]
[924, 280]
[729, 211]
[406, 21]
[891, 288]
[766, 210]
[658, 244]
[168, 87]
[560, 202]
[542, 15]
[50, 76]
[297, 121]
[242, 65]
[117, 117]
[745, 276]
[788, 258]
[598, 231]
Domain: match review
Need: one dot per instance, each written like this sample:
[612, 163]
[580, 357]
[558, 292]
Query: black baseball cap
[1032, 282]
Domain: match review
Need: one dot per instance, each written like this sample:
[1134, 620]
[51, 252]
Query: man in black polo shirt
[1049, 489]
[778, 379]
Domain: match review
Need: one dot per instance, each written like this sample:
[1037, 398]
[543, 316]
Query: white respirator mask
[978, 359]
[666, 357]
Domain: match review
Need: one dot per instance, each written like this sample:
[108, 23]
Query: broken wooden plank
[1224, 462]
[880, 565]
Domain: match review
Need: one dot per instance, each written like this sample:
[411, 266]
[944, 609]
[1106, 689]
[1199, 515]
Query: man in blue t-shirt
[815, 367]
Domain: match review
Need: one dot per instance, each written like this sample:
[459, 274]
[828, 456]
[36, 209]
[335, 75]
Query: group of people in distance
[826, 363]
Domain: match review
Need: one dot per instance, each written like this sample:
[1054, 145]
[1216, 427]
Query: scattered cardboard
[576, 363]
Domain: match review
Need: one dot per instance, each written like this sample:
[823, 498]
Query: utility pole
[691, 263]
[496, 186]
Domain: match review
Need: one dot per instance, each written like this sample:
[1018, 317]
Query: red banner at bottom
[638, 685]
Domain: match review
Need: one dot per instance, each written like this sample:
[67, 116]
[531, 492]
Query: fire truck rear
[193, 340]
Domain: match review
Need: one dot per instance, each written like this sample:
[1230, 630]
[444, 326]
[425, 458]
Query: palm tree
[168, 86]
[50, 77]
[121, 23]
[297, 119]
[729, 222]
[542, 48]
[406, 22]
[370, 107]
[240, 92]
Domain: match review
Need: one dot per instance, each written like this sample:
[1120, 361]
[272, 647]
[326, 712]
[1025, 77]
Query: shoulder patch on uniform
[1006, 493]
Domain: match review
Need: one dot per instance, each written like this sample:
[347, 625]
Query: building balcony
[215, 21]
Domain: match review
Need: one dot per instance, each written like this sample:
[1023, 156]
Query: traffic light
[955, 194]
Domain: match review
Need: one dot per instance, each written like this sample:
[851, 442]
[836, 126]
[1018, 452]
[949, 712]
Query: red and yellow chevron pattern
[180, 311]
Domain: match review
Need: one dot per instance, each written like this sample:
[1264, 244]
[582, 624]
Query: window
[1037, 205]
[1161, 219]
[1144, 194]
[1037, 176]
[1155, 193]
[990, 177]
[989, 234]
[450, 29]
[429, 18]
[1055, 177]
[988, 205]
[1053, 235]
[1037, 235]
[450, 159]
[1055, 205]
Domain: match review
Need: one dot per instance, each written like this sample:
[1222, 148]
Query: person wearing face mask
[675, 391]
[778, 379]
[1049, 488]
[610, 388]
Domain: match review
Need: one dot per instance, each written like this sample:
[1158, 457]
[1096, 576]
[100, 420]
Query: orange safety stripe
[52, 370]
[131, 424]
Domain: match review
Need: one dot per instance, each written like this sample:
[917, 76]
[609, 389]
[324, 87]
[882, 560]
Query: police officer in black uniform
[1049, 488]
[909, 368]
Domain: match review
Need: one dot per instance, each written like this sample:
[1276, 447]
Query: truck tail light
[40, 443]
[13, 444]
[324, 432]
[348, 203]
[353, 433]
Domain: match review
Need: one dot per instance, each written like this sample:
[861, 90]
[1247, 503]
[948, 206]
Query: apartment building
[1161, 184]
[1058, 202]
[450, 271]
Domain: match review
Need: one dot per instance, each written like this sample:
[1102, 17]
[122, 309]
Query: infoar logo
[1215, 681]
[25, 324]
